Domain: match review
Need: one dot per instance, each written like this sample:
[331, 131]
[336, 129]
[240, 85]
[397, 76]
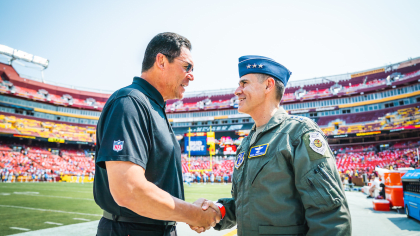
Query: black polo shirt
[133, 127]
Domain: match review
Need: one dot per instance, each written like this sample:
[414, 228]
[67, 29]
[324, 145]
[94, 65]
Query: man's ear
[160, 61]
[270, 84]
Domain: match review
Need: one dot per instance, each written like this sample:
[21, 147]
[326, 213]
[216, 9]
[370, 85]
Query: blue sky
[100, 44]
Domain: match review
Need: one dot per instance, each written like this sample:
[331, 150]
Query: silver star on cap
[248, 66]
[254, 66]
[260, 65]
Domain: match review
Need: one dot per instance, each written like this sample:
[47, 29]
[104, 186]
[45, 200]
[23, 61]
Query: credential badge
[118, 145]
[317, 143]
[239, 160]
[259, 150]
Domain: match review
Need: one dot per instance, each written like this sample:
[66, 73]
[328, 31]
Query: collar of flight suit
[276, 120]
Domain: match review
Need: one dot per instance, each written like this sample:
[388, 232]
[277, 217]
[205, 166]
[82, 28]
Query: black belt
[143, 220]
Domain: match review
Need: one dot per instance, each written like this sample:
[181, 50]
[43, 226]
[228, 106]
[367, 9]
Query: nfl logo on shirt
[118, 145]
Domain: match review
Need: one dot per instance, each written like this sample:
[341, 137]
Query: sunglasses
[189, 68]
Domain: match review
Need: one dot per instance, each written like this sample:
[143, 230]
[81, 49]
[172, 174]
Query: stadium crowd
[41, 164]
[38, 164]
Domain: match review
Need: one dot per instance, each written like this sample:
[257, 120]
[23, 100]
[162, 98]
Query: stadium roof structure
[291, 87]
[319, 80]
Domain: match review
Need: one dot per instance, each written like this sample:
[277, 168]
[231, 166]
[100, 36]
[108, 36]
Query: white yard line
[46, 189]
[37, 195]
[39, 209]
[52, 223]
[77, 198]
[81, 219]
[18, 228]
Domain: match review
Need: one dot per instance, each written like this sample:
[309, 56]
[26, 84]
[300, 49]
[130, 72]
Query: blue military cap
[263, 65]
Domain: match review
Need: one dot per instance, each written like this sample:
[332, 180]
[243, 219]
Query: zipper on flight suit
[322, 172]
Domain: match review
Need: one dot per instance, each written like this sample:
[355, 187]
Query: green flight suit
[287, 184]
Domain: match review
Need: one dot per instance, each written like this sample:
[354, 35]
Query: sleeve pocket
[323, 189]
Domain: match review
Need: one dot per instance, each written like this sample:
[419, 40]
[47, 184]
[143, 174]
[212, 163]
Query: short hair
[279, 85]
[169, 44]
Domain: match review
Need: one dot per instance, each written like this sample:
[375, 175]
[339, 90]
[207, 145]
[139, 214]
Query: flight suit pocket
[323, 189]
[257, 168]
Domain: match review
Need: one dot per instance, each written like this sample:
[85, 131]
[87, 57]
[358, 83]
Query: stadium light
[41, 61]
[18, 54]
[21, 55]
[5, 50]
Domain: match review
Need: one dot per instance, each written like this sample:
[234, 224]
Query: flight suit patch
[316, 145]
[259, 150]
[239, 160]
[316, 142]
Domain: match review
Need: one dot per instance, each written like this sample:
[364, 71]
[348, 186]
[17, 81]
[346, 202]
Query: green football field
[32, 206]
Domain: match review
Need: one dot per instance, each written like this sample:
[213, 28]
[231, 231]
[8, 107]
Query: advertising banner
[368, 73]
[198, 145]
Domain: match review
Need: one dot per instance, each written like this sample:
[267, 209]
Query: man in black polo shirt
[138, 180]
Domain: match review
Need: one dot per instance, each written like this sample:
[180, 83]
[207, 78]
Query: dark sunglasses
[189, 68]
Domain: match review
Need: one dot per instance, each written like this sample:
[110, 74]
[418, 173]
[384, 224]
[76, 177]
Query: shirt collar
[277, 119]
[150, 91]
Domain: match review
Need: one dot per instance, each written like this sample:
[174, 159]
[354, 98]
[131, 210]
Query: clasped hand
[209, 218]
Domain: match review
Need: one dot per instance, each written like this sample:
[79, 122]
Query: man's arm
[318, 183]
[130, 189]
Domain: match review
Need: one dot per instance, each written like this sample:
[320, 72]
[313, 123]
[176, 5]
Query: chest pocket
[257, 164]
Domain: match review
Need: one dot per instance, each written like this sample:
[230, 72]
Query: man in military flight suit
[285, 180]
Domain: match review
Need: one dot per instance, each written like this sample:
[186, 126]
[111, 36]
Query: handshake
[209, 217]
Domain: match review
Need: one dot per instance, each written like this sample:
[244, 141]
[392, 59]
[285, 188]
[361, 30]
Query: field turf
[31, 205]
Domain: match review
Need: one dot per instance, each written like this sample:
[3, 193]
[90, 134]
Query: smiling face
[251, 93]
[177, 76]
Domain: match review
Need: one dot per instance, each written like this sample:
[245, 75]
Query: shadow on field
[406, 224]
[392, 212]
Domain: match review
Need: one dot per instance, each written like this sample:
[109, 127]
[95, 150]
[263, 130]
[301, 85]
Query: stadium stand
[55, 125]
[36, 128]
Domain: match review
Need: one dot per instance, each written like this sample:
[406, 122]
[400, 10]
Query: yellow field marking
[231, 233]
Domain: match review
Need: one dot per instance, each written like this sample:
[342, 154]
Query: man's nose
[190, 76]
[238, 91]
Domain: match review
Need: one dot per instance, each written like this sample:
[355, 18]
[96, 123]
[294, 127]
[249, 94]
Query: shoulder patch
[317, 143]
[239, 160]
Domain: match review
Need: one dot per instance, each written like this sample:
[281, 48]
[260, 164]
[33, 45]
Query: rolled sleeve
[127, 124]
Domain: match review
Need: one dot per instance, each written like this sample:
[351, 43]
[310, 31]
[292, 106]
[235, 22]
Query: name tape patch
[259, 150]
[239, 160]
